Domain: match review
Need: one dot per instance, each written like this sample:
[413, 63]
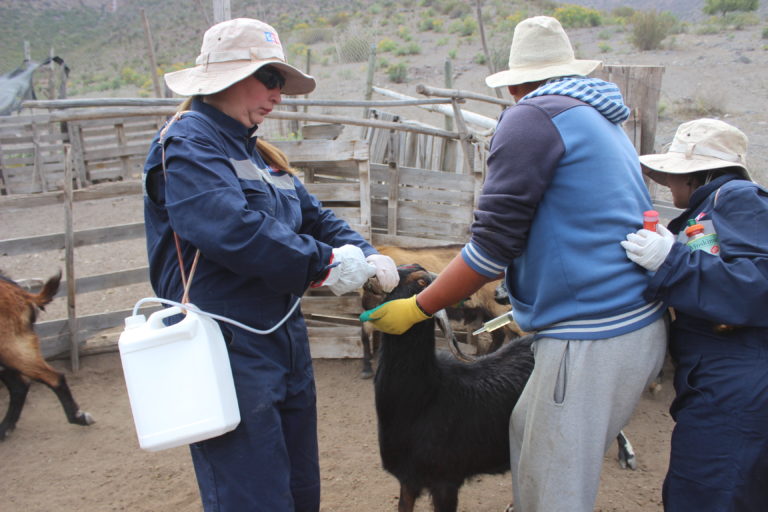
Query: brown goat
[20, 357]
[480, 307]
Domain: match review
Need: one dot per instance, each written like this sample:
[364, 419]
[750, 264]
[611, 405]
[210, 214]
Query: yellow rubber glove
[395, 316]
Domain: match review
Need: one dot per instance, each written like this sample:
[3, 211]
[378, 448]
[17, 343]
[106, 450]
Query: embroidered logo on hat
[271, 37]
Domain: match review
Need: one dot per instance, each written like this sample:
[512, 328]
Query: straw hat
[700, 145]
[540, 50]
[231, 51]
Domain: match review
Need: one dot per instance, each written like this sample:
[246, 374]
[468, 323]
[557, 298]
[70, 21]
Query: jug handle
[156, 319]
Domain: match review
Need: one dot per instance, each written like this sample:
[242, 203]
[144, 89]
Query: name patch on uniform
[247, 170]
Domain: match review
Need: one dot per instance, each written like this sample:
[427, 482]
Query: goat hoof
[84, 418]
[366, 374]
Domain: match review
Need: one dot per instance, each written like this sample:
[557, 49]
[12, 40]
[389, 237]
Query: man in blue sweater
[564, 186]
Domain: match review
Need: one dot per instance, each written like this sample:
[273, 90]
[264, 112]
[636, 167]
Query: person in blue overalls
[718, 287]
[257, 240]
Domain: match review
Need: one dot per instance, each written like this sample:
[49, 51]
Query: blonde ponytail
[273, 156]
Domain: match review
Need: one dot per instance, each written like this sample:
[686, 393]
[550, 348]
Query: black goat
[20, 357]
[442, 421]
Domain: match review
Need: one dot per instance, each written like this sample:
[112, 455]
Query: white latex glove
[351, 271]
[647, 248]
[386, 271]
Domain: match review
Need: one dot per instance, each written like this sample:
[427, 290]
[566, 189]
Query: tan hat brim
[522, 75]
[657, 166]
[217, 76]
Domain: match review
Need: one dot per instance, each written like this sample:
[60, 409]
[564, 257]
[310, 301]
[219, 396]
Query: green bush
[479, 58]
[649, 28]
[464, 27]
[604, 47]
[576, 16]
[408, 49]
[386, 45]
[623, 12]
[398, 73]
[311, 35]
[765, 33]
[725, 6]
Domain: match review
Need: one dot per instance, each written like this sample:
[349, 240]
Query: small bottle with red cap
[650, 220]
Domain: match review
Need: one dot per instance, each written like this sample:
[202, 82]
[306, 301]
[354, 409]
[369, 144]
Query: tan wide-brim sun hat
[699, 145]
[231, 51]
[540, 50]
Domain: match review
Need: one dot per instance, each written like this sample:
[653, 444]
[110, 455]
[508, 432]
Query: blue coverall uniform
[719, 458]
[263, 239]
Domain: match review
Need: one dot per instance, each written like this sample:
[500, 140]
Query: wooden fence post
[69, 251]
[151, 55]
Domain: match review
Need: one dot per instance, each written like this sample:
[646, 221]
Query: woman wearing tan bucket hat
[717, 284]
[256, 240]
[564, 185]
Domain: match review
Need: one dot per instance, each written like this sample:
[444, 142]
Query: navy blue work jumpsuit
[719, 457]
[263, 239]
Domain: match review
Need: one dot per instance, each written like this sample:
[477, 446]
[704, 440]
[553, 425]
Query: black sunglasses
[270, 77]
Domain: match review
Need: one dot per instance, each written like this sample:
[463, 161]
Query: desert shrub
[649, 28]
[130, 76]
[452, 54]
[427, 24]
[740, 20]
[386, 45]
[706, 103]
[404, 33]
[408, 49]
[500, 57]
[479, 58]
[297, 49]
[397, 73]
[339, 18]
[623, 12]
[354, 49]
[464, 27]
[574, 16]
[765, 33]
[725, 6]
[604, 47]
[311, 35]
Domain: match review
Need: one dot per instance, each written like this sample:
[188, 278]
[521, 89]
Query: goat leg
[71, 409]
[17, 391]
[627, 457]
[445, 497]
[407, 500]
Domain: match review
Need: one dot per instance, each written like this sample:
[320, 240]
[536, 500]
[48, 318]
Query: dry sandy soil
[51, 465]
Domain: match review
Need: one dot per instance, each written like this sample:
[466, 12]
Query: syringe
[496, 323]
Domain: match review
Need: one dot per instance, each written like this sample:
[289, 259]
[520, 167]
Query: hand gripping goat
[20, 357]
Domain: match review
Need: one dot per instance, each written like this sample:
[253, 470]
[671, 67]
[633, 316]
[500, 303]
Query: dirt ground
[52, 465]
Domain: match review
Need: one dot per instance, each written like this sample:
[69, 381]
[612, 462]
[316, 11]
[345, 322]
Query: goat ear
[372, 285]
[423, 283]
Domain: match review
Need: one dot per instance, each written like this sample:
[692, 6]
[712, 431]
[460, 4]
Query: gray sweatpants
[580, 395]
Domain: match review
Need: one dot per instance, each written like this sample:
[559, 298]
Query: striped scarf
[604, 96]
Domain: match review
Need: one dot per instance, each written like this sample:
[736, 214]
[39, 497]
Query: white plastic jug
[179, 379]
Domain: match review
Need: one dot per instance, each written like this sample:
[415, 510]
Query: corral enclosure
[108, 471]
[395, 181]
